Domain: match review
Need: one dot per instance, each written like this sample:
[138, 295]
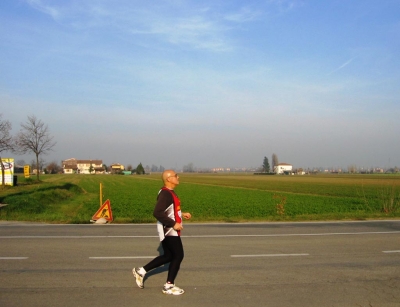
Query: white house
[69, 166]
[281, 168]
[73, 166]
[90, 166]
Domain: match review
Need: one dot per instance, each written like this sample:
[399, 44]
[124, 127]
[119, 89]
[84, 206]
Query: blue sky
[213, 83]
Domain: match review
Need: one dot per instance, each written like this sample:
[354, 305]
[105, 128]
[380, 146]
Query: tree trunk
[37, 167]
[3, 176]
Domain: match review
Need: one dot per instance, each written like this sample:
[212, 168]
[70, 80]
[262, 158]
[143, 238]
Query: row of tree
[33, 136]
[56, 168]
[265, 166]
[153, 168]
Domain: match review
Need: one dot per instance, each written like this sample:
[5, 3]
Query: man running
[168, 213]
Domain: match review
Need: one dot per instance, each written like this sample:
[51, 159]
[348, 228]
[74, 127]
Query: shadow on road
[161, 269]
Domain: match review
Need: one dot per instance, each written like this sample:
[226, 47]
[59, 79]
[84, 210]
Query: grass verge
[210, 198]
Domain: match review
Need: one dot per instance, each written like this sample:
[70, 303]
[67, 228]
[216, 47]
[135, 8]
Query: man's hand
[186, 215]
[178, 226]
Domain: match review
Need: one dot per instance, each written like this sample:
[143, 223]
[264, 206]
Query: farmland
[209, 197]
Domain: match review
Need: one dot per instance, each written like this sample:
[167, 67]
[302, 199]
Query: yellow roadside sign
[27, 171]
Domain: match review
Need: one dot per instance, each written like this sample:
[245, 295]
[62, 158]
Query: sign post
[8, 164]
[101, 194]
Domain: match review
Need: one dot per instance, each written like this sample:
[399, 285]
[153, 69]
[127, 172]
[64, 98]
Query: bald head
[170, 178]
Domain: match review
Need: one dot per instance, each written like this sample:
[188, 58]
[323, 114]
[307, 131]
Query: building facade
[74, 166]
[283, 168]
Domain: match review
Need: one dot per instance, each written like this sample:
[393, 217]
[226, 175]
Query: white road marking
[295, 234]
[209, 236]
[388, 252]
[129, 257]
[269, 255]
[13, 258]
[73, 237]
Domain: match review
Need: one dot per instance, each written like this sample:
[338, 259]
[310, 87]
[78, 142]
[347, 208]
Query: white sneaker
[172, 289]
[139, 278]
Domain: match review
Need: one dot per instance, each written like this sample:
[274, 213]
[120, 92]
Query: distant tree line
[34, 137]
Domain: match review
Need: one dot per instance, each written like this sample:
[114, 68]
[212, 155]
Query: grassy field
[209, 197]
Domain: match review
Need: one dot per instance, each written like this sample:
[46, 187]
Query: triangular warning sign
[104, 212]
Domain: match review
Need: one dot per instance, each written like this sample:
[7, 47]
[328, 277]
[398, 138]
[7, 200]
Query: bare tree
[21, 162]
[275, 161]
[6, 142]
[53, 168]
[188, 168]
[352, 169]
[34, 136]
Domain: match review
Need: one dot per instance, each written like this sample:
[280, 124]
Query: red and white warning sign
[104, 212]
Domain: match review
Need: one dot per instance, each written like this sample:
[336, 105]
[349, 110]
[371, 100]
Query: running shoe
[172, 289]
[139, 278]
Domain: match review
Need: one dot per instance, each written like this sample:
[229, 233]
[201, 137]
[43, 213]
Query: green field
[209, 197]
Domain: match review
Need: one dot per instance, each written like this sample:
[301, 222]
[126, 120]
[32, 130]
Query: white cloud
[286, 5]
[341, 66]
[243, 15]
[195, 31]
[46, 9]
[200, 28]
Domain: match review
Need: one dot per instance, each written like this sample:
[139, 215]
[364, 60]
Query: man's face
[173, 178]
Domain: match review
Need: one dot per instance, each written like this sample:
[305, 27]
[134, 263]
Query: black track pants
[173, 254]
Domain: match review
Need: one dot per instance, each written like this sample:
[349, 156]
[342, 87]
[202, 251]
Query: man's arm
[164, 200]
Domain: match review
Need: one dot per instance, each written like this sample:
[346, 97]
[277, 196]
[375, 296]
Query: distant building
[283, 168]
[220, 169]
[69, 166]
[74, 166]
[116, 167]
[299, 171]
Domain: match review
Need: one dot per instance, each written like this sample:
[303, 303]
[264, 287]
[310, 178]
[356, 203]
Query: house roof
[73, 163]
[89, 161]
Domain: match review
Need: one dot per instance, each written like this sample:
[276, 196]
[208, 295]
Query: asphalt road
[263, 264]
